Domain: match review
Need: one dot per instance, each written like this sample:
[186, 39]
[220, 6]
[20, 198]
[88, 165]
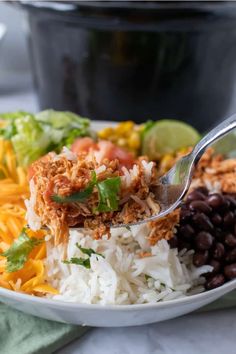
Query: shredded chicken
[216, 170]
[163, 228]
[58, 175]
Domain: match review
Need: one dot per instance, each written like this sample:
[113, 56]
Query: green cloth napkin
[25, 334]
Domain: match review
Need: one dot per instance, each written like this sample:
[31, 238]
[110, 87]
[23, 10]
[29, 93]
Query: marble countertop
[198, 333]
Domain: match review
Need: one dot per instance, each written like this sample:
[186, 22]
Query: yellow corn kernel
[105, 133]
[122, 142]
[124, 128]
[113, 138]
[166, 162]
[134, 140]
[183, 150]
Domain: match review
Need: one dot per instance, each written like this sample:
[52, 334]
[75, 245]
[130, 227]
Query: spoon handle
[220, 130]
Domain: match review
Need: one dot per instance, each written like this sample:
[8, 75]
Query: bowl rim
[15, 295]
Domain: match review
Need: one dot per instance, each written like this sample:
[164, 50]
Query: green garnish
[81, 261]
[88, 251]
[19, 251]
[78, 196]
[108, 191]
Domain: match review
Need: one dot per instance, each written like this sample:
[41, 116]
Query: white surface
[24, 101]
[208, 333]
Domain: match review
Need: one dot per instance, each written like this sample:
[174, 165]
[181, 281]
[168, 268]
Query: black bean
[216, 265]
[230, 271]
[229, 218]
[218, 251]
[215, 281]
[200, 258]
[235, 228]
[195, 195]
[232, 201]
[183, 244]
[173, 242]
[187, 231]
[204, 240]
[225, 206]
[202, 190]
[200, 205]
[202, 221]
[230, 240]
[185, 215]
[231, 256]
[216, 219]
[219, 234]
[215, 200]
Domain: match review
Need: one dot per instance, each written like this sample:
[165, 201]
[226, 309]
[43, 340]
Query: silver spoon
[174, 185]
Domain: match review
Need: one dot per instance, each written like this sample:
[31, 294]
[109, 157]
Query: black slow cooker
[135, 60]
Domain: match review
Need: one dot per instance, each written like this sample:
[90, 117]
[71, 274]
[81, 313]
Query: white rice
[34, 221]
[122, 277]
[67, 153]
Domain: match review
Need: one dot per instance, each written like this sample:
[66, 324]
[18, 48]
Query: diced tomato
[112, 152]
[83, 145]
[31, 170]
[103, 149]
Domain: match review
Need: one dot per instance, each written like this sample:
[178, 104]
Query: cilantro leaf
[79, 261]
[108, 191]
[19, 251]
[88, 251]
[78, 196]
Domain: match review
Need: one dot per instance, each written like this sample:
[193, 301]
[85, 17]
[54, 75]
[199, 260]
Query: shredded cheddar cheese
[14, 190]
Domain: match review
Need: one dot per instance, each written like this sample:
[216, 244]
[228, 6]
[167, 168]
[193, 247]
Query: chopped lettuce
[64, 127]
[34, 135]
[30, 141]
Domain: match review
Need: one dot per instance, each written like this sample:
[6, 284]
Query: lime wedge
[226, 145]
[167, 136]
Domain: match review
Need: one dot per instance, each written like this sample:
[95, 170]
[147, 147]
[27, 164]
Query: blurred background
[122, 60]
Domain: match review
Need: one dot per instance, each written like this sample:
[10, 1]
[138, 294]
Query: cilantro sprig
[19, 251]
[85, 262]
[108, 193]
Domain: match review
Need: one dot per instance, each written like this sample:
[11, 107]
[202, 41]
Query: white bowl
[111, 315]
